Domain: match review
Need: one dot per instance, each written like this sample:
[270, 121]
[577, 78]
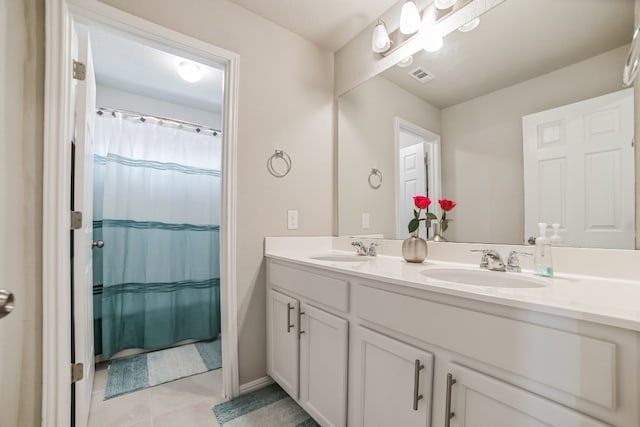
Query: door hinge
[79, 70]
[76, 220]
[426, 160]
[77, 372]
[633, 142]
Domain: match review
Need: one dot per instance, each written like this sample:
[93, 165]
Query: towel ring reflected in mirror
[375, 178]
[283, 158]
[633, 60]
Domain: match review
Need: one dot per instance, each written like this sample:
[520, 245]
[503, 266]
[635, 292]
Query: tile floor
[187, 402]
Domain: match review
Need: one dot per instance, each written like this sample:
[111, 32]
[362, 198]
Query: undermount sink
[340, 258]
[484, 278]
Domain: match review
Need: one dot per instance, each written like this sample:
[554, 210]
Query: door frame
[58, 114]
[399, 124]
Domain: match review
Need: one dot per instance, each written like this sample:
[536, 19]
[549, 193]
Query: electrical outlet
[292, 220]
[365, 220]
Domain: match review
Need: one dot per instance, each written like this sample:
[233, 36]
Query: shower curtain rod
[143, 117]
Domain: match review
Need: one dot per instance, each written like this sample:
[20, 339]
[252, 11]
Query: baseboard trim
[255, 384]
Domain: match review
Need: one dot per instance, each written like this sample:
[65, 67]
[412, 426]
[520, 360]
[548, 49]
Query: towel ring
[375, 175]
[633, 60]
[279, 155]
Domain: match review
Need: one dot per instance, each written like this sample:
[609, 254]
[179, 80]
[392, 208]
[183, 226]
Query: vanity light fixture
[470, 26]
[380, 41]
[409, 18]
[403, 63]
[431, 38]
[444, 4]
[189, 71]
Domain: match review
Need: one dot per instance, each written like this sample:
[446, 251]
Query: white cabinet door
[482, 401]
[394, 382]
[323, 366]
[282, 341]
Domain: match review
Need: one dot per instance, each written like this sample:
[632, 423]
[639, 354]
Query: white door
[12, 224]
[482, 401]
[85, 106]
[394, 382]
[579, 171]
[412, 181]
[323, 366]
[283, 357]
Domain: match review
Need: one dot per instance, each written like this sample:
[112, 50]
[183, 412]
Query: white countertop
[601, 300]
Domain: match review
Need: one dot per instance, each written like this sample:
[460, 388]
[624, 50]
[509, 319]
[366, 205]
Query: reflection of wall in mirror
[366, 133]
[482, 145]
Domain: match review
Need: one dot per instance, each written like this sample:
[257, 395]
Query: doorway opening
[151, 167]
[151, 139]
[418, 171]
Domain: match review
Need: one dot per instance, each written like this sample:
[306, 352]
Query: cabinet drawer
[479, 400]
[326, 290]
[581, 366]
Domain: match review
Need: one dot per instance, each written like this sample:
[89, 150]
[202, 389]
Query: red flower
[447, 205]
[421, 202]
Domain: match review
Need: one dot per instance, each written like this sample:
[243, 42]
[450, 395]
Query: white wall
[114, 98]
[366, 134]
[21, 118]
[482, 146]
[286, 102]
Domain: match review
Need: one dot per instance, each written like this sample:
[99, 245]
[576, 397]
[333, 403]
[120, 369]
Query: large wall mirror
[522, 120]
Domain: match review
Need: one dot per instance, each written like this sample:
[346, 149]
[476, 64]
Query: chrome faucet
[491, 260]
[362, 250]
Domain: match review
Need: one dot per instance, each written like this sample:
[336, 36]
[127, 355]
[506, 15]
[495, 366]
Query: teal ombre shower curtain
[157, 209]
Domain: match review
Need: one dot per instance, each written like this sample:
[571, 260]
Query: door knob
[7, 303]
[98, 244]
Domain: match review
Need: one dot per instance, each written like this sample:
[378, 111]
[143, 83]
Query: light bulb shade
[189, 71]
[470, 26]
[409, 18]
[432, 42]
[444, 4]
[403, 63]
[380, 41]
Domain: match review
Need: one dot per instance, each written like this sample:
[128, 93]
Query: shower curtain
[157, 209]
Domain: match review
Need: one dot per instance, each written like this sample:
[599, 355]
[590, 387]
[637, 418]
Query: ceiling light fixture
[444, 4]
[189, 71]
[403, 63]
[470, 26]
[409, 18]
[380, 41]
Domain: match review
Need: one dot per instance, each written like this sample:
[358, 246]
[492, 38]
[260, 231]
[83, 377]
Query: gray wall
[366, 134]
[482, 146]
[286, 102]
[21, 119]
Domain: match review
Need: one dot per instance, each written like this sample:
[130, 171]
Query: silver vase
[437, 232]
[414, 248]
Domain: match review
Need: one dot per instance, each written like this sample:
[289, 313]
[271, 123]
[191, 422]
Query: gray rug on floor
[146, 370]
[268, 407]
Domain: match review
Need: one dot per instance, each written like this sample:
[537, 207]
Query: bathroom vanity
[375, 342]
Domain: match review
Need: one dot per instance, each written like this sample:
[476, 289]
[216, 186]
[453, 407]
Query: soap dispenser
[542, 264]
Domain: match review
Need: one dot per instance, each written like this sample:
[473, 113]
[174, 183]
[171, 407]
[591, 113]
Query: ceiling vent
[421, 74]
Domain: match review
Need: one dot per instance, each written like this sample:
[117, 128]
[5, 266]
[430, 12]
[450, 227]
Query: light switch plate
[365, 220]
[292, 219]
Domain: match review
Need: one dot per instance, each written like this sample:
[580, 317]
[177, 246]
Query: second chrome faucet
[492, 261]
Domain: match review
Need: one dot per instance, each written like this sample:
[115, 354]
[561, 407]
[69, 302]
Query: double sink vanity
[375, 341]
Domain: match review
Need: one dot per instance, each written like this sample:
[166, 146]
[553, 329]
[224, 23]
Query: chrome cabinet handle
[416, 384]
[300, 331]
[7, 303]
[448, 414]
[289, 325]
[98, 244]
